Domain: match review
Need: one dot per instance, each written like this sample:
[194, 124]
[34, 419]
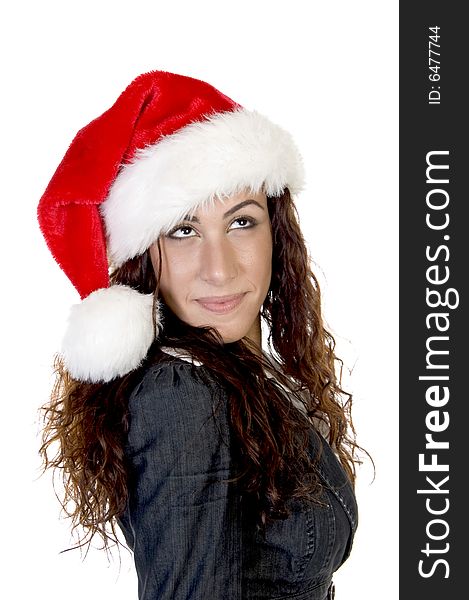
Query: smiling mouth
[221, 304]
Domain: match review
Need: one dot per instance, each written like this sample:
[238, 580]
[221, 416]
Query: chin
[229, 338]
[229, 335]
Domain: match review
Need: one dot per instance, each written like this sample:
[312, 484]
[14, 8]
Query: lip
[221, 304]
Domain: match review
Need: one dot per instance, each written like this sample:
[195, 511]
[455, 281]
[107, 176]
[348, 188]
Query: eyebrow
[231, 211]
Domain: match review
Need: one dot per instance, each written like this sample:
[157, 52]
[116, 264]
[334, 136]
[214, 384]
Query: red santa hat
[168, 145]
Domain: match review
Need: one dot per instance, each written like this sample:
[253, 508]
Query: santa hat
[167, 146]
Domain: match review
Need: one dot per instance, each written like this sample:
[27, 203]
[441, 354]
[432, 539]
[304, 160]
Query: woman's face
[216, 266]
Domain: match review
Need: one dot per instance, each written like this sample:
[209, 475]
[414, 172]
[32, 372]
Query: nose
[218, 261]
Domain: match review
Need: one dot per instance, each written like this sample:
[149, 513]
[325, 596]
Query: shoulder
[169, 382]
[175, 401]
[172, 369]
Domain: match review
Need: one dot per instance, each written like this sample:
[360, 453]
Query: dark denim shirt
[190, 533]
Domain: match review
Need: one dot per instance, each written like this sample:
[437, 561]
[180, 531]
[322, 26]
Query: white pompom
[108, 334]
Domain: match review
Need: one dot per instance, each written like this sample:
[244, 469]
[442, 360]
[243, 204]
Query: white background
[327, 72]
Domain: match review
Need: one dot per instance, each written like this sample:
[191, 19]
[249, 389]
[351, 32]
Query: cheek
[175, 278]
[175, 274]
[262, 265]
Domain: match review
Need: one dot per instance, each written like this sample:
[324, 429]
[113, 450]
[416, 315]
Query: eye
[243, 223]
[181, 232]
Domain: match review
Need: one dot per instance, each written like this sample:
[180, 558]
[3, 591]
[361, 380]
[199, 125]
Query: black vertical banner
[434, 269]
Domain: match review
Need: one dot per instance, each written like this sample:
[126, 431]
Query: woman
[224, 458]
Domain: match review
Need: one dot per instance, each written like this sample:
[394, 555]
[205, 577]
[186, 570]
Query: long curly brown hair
[86, 424]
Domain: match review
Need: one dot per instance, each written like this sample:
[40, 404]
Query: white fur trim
[108, 334]
[217, 157]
